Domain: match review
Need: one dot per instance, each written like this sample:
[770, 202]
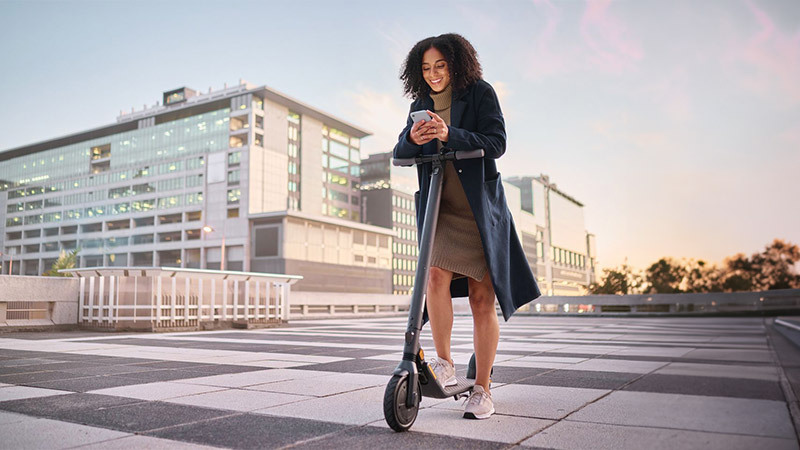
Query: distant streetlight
[208, 229]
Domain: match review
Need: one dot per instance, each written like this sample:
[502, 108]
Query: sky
[676, 124]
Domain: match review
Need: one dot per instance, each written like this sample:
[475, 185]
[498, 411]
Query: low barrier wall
[316, 305]
[780, 301]
[38, 301]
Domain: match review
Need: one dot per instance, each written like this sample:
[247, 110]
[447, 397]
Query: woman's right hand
[421, 133]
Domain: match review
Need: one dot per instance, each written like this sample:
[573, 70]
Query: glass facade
[142, 197]
[341, 174]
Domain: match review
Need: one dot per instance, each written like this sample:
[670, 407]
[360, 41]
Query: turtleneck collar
[442, 100]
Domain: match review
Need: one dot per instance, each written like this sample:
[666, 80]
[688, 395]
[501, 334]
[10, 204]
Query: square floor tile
[157, 391]
[249, 431]
[44, 433]
[255, 378]
[22, 392]
[238, 400]
[324, 385]
[543, 402]
[691, 412]
[579, 435]
[497, 428]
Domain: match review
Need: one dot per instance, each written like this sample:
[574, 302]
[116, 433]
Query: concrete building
[562, 254]
[244, 178]
[550, 225]
[387, 195]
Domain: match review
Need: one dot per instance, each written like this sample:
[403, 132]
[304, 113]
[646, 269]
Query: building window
[234, 195]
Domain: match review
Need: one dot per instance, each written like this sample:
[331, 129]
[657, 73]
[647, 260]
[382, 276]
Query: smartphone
[423, 115]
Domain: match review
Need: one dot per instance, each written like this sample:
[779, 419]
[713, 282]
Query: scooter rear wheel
[398, 416]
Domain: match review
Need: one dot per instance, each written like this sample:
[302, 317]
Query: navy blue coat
[477, 122]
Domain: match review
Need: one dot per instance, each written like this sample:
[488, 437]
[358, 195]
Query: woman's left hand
[438, 129]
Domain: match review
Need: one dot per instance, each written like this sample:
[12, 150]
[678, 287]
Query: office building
[561, 253]
[387, 195]
[549, 223]
[243, 178]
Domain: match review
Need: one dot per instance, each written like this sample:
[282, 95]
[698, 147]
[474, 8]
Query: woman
[476, 249]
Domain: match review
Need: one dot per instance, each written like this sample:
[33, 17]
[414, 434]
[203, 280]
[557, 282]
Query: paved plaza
[559, 382]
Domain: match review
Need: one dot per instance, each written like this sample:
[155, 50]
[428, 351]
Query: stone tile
[498, 428]
[238, 400]
[44, 433]
[145, 416]
[249, 431]
[374, 437]
[503, 374]
[87, 383]
[325, 385]
[64, 406]
[255, 378]
[9, 418]
[668, 352]
[691, 412]
[354, 366]
[164, 375]
[143, 442]
[581, 379]
[107, 369]
[543, 402]
[157, 391]
[22, 392]
[579, 435]
[618, 365]
[37, 376]
[769, 373]
[22, 362]
[732, 355]
[355, 408]
[711, 386]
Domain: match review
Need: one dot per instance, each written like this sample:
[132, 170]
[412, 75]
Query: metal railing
[170, 298]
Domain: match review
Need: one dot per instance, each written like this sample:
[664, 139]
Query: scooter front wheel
[399, 416]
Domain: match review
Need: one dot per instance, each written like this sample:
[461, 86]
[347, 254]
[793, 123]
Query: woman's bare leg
[440, 310]
[486, 330]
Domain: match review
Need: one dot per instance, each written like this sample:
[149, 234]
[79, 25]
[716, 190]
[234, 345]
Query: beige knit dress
[457, 246]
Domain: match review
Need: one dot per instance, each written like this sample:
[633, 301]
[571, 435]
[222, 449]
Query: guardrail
[780, 301]
[164, 298]
[317, 305]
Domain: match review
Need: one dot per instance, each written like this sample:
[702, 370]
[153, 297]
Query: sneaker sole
[469, 415]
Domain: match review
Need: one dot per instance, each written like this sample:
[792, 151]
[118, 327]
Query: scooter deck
[434, 390]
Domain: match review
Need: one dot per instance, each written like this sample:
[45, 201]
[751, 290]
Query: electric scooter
[413, 377]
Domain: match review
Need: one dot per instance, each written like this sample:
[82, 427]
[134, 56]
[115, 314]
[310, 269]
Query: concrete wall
[60, 295]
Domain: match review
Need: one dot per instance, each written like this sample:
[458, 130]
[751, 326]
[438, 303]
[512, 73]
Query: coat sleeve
[404, 147]
[490, 134]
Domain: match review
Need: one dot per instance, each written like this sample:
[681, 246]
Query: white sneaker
[444, 371]
[479, 404]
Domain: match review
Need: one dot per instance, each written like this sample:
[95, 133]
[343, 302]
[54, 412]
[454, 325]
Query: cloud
[613, 50]
[775, 56]
[383, 113]
[601, 43]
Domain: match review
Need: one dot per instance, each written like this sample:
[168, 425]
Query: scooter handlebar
[469, 154]
[458, 154]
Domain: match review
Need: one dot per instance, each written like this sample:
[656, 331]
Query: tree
[65, 261]
[618, 281]
[775, 266]
[664, 277]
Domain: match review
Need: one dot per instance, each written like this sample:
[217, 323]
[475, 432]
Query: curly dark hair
[462, 61]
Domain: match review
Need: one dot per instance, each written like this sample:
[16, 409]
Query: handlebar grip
[405, 162]
[469, 154]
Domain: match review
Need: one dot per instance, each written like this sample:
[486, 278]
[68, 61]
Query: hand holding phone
[421, 115]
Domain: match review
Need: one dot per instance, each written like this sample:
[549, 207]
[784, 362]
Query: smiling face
[435, 70]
